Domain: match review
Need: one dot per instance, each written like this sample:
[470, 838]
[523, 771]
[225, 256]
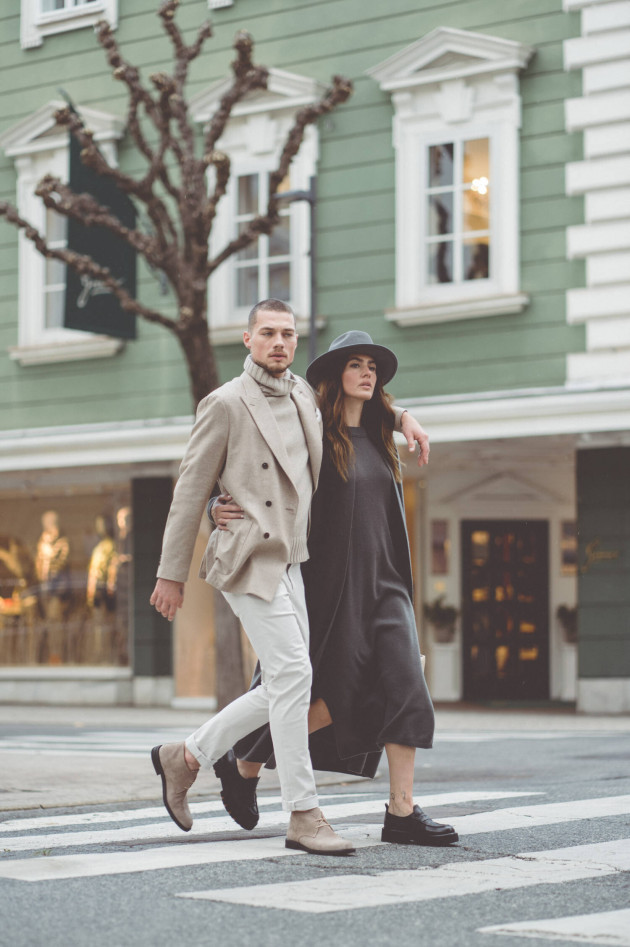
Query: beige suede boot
[310, 832]
[177, 778]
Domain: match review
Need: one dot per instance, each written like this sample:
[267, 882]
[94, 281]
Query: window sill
[504, 305]
[230, 334]
[47, 353]
[35, 28]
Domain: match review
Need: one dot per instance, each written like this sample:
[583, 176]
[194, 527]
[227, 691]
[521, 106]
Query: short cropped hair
[267, 305]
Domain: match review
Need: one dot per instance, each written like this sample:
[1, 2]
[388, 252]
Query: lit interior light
[480, 185]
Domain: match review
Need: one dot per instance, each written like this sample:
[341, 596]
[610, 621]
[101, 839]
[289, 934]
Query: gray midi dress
[370, 673]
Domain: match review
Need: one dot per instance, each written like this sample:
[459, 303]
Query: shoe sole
[398, 838]
[157, 766]
[288, 843]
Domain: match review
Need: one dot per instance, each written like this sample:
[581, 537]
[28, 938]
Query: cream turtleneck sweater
[279, 394]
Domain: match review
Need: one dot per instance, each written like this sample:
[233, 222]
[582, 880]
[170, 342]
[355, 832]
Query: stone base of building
[604, 695]
[83, 686]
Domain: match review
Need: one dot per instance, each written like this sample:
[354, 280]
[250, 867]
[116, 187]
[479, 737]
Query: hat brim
[324, 365]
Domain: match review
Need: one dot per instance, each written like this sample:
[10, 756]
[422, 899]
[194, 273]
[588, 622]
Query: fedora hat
[341, 348]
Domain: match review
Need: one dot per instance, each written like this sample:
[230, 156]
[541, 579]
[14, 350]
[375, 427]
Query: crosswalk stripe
[222, 823]
[349, 892]
[193, 849]
[153, 812]
[611, 928]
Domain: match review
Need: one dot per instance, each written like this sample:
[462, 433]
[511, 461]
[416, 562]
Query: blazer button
[268, 503]
[265, 466]
[265, 535]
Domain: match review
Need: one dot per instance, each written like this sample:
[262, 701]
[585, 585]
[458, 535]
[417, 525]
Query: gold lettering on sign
[595, 554]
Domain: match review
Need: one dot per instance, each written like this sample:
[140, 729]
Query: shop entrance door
[505, 609]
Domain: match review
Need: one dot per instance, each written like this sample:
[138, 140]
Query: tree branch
[84, 265]
[264, 223]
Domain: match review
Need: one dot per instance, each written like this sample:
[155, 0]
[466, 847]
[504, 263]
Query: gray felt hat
[340, 350]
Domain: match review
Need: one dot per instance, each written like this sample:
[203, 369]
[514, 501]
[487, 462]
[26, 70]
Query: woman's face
[358, 378]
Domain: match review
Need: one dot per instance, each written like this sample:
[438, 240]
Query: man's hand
[415, 433]
[167, 597]
[225, 509]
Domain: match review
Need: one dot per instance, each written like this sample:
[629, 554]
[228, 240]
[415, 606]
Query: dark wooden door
[505, 609]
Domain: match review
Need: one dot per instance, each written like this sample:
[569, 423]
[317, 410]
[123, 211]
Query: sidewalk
[64, 766]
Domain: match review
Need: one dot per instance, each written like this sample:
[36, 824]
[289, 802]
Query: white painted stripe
[58, 867]
[349, 892]
[609, 927]
[551, 813]
[130, 815]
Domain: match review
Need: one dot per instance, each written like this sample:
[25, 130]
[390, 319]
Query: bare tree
[174, 189]
[174, 193]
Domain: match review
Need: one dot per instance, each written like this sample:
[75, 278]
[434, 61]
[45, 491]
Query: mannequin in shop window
[18, 604]
[52, 565]
[101, 599]
[119, 584]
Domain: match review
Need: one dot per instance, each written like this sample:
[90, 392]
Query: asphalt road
[542, 804]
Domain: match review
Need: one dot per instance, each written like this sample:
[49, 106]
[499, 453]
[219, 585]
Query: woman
[369, 691]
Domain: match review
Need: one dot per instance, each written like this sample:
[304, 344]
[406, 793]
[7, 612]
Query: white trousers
[278, 632]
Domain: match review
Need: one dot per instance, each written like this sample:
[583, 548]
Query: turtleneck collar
[272, 386]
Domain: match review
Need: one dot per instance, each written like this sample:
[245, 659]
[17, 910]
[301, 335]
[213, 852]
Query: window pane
[250, 252]
[54, 308]
[56, 228]
[441, 262]
[280, 239]
[247, 286]
[476, 164]
[247, 194]
[65, 578]
[280, 281]
[440, 547]
[55, 273]
[441, 165]
[476, 210]
[441, 214]
[476, 259]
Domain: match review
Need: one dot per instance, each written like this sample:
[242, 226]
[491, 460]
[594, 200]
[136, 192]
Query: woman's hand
[415, 433]
[225, 509]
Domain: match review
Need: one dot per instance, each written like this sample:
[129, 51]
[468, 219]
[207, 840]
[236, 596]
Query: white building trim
[39, 146]
[36, 25]
[453, 86]
[602, 113]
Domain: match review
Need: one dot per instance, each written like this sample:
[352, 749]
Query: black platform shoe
[416, 829]
[238, 793]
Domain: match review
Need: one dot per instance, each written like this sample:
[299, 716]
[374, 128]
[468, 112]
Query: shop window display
[65, 579]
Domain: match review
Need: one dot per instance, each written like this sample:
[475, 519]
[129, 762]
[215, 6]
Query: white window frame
[455, 86]
[38, 147]
[253, 140]
[36, 25]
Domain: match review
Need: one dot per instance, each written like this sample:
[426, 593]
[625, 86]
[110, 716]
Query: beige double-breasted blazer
[236, 442]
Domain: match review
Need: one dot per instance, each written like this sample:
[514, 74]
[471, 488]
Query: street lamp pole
[311, 197]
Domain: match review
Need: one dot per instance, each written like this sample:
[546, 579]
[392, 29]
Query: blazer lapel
[265, 422]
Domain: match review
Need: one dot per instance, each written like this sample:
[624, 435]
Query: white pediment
[447, 53]
[504, 487]
[285, 90]
[39, 130]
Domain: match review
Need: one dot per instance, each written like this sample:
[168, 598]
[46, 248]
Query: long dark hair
[377, 418]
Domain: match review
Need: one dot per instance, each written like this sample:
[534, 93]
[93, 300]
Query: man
[260, 438]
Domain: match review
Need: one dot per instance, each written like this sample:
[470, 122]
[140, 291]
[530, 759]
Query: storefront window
[65, 578]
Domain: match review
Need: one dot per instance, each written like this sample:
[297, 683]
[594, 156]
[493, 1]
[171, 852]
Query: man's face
[273, 341]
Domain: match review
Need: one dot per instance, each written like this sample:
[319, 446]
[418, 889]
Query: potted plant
[567, 616]
[442, 618]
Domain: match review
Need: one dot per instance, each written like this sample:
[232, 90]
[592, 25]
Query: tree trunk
[202, 368]
[229, 664]
[230, 670]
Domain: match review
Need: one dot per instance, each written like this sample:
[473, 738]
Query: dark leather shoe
[238, 793]
[416, 829]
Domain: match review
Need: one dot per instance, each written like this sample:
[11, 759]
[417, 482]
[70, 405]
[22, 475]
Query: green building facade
[472, 212]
